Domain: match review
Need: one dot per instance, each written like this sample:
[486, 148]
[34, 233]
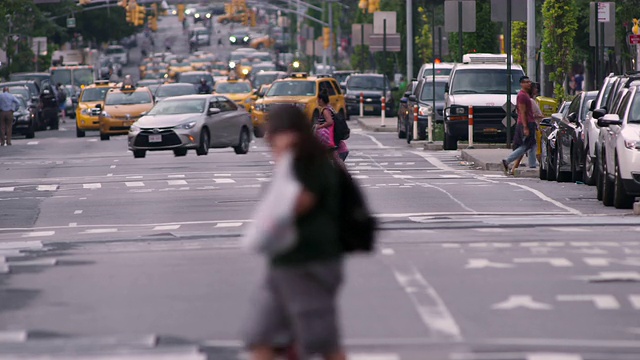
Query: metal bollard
[415, 122]
[361, 104]
[383, 113]
[430, 126]
[470, 127]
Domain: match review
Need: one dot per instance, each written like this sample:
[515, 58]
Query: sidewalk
[374, 123]
[491, 159]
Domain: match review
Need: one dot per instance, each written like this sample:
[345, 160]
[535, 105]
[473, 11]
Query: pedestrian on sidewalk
[62, 101]
[296, 304]
[8, 104]
[524, 140]
[538, 116]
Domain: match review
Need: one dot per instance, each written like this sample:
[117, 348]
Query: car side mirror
[213, 111]
[446, 88]
[545, 122]
[598, 113]
[572, 117]
[592, 105]
[413, 98]
[407, 94]
[99, 106]
[609, 119]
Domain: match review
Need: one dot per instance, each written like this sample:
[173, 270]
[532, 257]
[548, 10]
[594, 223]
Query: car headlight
[187, 125]
[632, 144]
[350, 97]
[197, 16]
[460, 110]
[424, 110]
[245, 71]
[232, 64]
[105, 114]
[85, 112]
[232, 38]
[246, 38]
[208, 16]
[259, 107]
[134, 128]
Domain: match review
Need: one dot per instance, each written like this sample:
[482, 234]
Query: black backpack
[341, 130]
[357, 225]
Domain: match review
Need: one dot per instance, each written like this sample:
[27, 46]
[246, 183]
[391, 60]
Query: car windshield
[181, 64]
[262, 79]
[292, 88]
[634, 113]
[175, 107]
[485, 81]
[83, 77]
[607, 91]
[114, 51]
[233, 88]
[171, 90]
[20, 90]
[128, 98]
[341, 77]
[195, 79]
[366, 83]
[93, 94]
[427, 91]
[62, 76]
[439, 72]
[585, 104]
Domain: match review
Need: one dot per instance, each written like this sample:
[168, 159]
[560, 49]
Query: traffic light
[364, 5]
[141, 13]
[154, 8]
[153, 23]
[326, 37]
[252, 16]
[374, 5]
[131, 15]
[245, 18]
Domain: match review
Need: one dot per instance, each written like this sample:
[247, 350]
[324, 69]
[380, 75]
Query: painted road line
[264, 179]
[134, 183]
[601, 302]
[224, 181]
[521, 301]
[403, 176]
[33, 143]
[47, 187]
[8, 336]
[92, 186]
[492, 230]
[20, 245]
[77, 212]
[221, 174]
[100, 231]
[450, 176]
[635, 301]
[36, 262]
[360, 176]
[569, 229]
[73, 224]
[229, 224]
[92, 140]
[112, 167]
[38, 234]
[175, 176]
[555, 262]
[554, 356]
[387, 251]
[135, 177]
[7, 189]
[166, 227]
[177, 182]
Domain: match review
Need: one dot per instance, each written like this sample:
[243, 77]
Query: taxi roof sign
[299, 75]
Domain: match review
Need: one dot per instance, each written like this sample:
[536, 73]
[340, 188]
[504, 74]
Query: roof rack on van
[485, 58]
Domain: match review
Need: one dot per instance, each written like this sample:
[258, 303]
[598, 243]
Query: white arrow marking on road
[224, 181]
[134, 183]
[39, 234]
[167, 227]
[608, 262]
[7, 189]
[485, 263]
[635, 301]
[602, 302]
[92, 186]
[521, 301]
[557, 262]
[232, 224]
[47, 187]
[177, 182]
[554, 356]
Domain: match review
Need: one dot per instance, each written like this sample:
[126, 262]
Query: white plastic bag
[273, 229]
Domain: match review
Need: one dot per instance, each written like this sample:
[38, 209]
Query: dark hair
[324, 96]
[523, 79]
[288, 118]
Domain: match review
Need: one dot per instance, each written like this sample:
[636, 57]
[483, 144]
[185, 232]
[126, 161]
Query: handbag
[273, 230]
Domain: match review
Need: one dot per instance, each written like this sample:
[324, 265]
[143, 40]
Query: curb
[376, 128]
[490, 166]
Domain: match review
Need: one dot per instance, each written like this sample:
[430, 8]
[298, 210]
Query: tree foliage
[519, 44]
[423, 40]
[560, 26]
[483, 40]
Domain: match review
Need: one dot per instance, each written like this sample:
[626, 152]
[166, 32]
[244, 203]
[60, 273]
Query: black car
[565, 154]
[404, 112]
[423, 97]
[549, 130]
[24, 119]
[240, 38]
[341, 77]
[372, 87]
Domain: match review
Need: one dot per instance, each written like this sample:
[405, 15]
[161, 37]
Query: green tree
[560, 26]
[424, 41]
[483, 40]
[519, 43]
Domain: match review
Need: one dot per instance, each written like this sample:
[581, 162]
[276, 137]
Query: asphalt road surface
[105, 255]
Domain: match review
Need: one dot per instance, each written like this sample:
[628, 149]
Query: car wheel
[561, 176]
[31, 132]
[180, 152]
[203, 149]
[576, 176]
[542, 171]
[244, 142]
[79, 133]
[607, 188]
[402, 134]
[258, 131]
[104, 137]
[55, 122]
[139, 154]
[621, 200]
[551, 171]
[590, 170]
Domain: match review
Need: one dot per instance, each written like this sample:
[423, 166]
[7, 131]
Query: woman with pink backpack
[325, 127]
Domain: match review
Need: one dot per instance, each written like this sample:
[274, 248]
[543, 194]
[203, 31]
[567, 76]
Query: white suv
[620, 152]
[118, 53]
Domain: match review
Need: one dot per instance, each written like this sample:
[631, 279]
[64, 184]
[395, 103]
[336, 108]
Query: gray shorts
[297, 305]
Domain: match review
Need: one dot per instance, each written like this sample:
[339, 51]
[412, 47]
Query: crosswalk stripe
[230, 224]
[39, 233]
[166, 227]
[100, 231]
[92, 186]
[360, 176]
[47, 187]
[7, 189]
[134, 183]
[224, 181]
[175, 176]
[177, 182]
[569, 229]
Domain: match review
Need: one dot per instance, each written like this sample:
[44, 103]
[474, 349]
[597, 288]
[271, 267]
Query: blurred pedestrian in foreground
[8, 104]
[296, 302]
[524, 139]
[326, 127]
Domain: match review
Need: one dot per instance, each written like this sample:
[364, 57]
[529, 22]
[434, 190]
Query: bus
[72, 75]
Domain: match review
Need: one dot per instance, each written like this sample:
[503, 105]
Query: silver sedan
[196, 122]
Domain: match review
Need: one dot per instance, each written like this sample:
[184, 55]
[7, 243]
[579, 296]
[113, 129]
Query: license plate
[155, 138]
[368, 108]
[490, 131]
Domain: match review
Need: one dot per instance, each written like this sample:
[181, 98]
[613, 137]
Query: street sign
[499, 10]
[609, 27]
[468, 15]
[393, 42]
[71, 22]
[633, 39]
[356, 33]
[39, 45]
[378, 22]
[604, 12]
[513, 120]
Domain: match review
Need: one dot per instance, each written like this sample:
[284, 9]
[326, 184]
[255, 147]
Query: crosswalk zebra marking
[39, 234]
[47, 187]
[166, 227]
[134, 183]
[92, 186]
[229, 224]
[7, 189]
[224, 181]
[177, 182]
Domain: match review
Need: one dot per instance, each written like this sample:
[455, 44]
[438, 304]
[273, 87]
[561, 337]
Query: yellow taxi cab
[122, 107]
[179, 66]
[302, 90]
[202, 63]
[220, 66]
[239, 91]
[90, 97]
[258, 113]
